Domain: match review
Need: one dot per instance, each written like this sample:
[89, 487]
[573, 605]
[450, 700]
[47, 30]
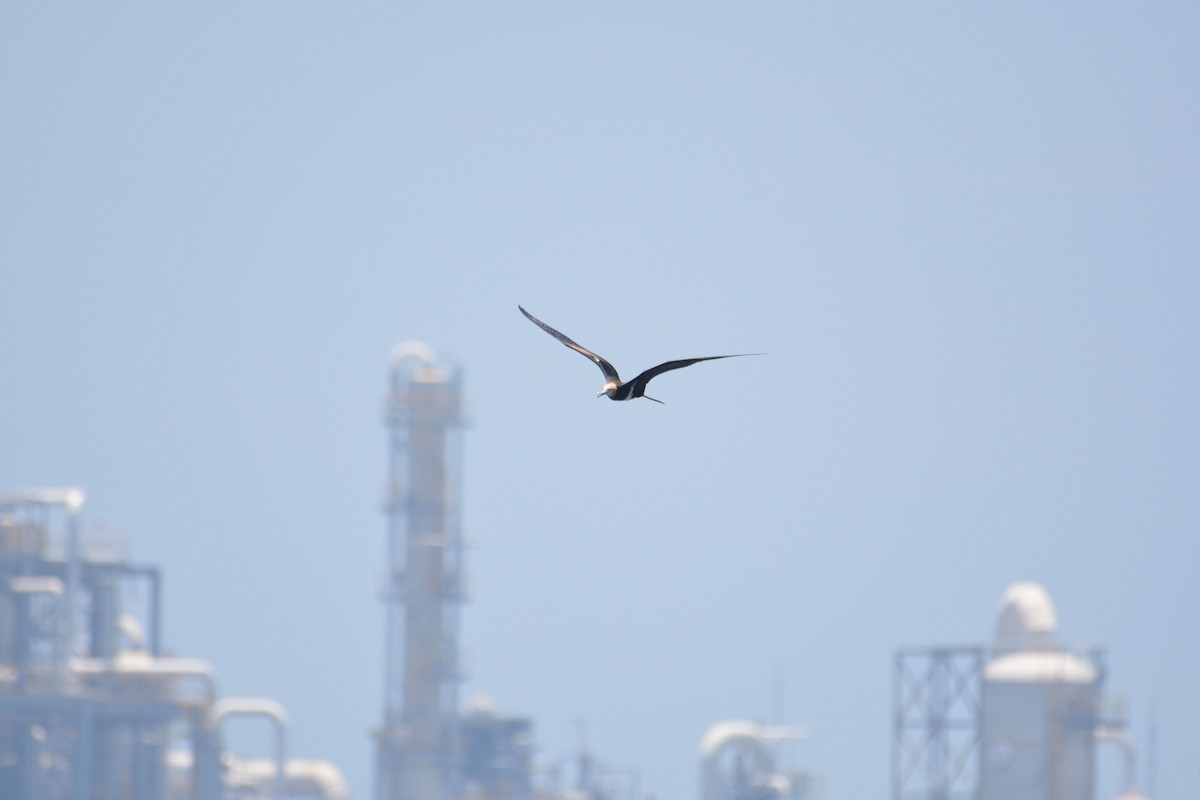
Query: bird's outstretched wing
[610, 372]
[641, 380]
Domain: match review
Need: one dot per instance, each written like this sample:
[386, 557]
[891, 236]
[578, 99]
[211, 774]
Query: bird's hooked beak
[601, 393]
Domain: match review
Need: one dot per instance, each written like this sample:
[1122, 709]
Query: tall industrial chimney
[417, 745]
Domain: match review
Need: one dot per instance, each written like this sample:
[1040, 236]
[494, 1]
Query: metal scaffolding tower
[937, 723]
[417, 745]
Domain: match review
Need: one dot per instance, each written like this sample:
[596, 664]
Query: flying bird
[613, 387]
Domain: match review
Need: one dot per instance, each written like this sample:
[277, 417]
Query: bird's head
[609, 389]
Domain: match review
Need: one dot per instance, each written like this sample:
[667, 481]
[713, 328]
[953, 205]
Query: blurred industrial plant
[1019, 720]
[92, 709]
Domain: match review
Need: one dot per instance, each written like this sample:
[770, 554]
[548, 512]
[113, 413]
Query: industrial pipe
[1119, 737]
[142, 665]
[305, 777]
[256, 707]
[751, 741]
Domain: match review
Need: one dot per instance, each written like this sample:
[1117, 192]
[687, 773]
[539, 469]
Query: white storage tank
[1040, 703]
[737, 762]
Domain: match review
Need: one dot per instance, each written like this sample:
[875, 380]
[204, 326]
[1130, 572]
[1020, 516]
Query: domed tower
[737, 762]
[1041, 704]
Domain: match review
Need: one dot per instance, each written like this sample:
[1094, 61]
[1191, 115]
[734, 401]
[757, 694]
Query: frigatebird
[613, 387]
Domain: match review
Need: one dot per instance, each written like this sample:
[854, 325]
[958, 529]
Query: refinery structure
[92, 709]
[1021, 719]
[418, 745]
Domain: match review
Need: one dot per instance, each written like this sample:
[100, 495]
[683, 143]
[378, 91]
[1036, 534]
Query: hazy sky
[966, 234]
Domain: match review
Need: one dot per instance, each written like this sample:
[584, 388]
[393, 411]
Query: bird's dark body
[614, 388]
[627, 391]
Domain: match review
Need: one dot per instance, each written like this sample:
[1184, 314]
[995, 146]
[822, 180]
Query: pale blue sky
[965, 233]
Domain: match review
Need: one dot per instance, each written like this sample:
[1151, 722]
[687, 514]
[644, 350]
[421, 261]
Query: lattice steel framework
[937, 723]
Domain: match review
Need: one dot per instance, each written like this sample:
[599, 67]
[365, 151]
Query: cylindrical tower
[1040, 706]
[736, 762]
[417, 745]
